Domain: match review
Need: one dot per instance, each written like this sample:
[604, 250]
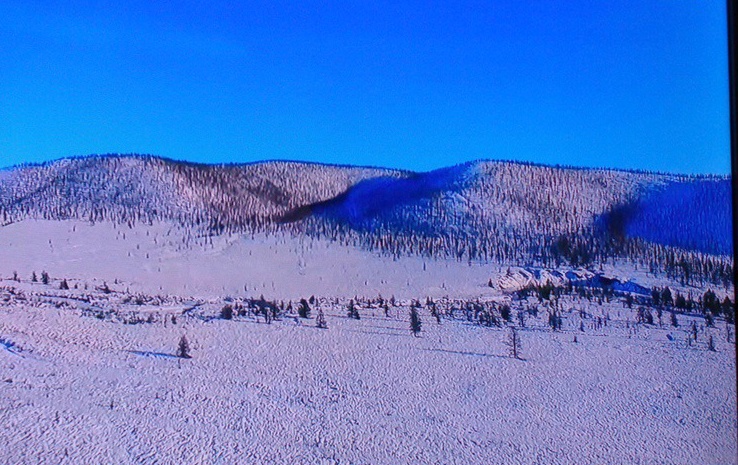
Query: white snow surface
[78, 389]
[161, 258]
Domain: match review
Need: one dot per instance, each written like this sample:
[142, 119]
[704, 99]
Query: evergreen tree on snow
[415, 323]
[183, 349]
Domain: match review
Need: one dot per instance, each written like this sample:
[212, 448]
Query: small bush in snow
[226, 312]
[352, 311]
[303, 309]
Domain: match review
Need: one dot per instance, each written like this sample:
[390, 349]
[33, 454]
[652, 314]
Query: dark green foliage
[505, 312]
[415, 323]
[666, 297]
[710, 302]
[226, 312]
[183, 349]
[44, 277]
[352, 311]
[544, 291]
[303, 309]
[554, 320]
[431, 305]
[728, 310]
[486, 318]
[655, 297]
[644, 316]
[320, 320]
[64, 286]
[513, 343]
[34, 279]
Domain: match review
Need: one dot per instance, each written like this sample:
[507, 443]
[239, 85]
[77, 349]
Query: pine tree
[505, 313]
[666, 298]
[710, 302]
[64, 285]
[728, 310]
[44, 277]
[183, 350]
[34, 279]
[415, 323]
[554, 320]
[513, 343]
[674, 321]
[656, 296]
[320, 320]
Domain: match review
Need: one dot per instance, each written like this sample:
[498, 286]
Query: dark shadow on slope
[377, 200]
[377, 333]
[10, 346]
[474, 354]
[146, 353]
[692, 215]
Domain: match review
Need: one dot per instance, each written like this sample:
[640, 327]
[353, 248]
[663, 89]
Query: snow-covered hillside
[490, 312]
[479, 211]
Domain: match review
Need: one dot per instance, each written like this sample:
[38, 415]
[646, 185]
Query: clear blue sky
[626, 84]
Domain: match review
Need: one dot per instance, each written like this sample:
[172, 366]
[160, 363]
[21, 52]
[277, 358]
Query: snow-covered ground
[162, 259]
[81, 384]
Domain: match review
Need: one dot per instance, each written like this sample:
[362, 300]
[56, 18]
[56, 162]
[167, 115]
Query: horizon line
[32, 164]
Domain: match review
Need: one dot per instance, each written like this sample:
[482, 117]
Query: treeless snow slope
[360, 392]
[161, 258]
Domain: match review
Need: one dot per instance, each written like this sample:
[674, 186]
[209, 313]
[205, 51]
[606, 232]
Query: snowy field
[90, 374]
